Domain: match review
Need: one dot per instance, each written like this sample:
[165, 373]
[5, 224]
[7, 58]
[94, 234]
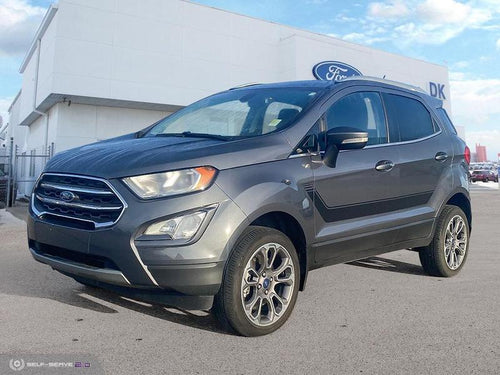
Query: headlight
[178, 228]
[165, 184]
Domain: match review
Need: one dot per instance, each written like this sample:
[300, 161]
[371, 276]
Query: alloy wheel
[455, 242]
[267, 284]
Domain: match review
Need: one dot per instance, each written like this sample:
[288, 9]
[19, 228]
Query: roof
[312, 84]
[319, 84]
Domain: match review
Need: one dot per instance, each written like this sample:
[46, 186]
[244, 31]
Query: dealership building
[102, 68]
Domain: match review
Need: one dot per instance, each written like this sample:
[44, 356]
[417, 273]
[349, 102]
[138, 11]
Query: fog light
[178, 228]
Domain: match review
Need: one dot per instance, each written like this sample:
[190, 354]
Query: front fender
[278, 186]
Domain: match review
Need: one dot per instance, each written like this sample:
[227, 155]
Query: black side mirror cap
[342, 138]
[346, 138]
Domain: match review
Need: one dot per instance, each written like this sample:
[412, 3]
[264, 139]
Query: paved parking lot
[378, 316]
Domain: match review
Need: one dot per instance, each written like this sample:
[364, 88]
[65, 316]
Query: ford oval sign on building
[334, 71]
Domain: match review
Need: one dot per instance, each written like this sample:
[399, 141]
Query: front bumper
[117, 258]
[104, 275]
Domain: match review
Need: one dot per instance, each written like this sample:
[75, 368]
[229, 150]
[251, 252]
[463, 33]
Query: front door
[355, 200]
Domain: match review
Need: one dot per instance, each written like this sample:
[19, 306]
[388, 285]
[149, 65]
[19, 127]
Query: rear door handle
[384, 166]
[441, 156]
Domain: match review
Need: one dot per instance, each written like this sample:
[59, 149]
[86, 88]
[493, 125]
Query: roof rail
[388, 81]
[245, 85]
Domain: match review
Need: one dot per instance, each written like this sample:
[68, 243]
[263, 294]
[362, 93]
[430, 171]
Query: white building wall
[73, 126]
[313, 48]
[19, 133]
[175, 52]
[145, 53]
[46, 64]
[80, 124]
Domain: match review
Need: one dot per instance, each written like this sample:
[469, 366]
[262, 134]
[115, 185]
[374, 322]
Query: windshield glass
[238, 113]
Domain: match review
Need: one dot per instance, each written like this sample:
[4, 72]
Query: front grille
[76, 201]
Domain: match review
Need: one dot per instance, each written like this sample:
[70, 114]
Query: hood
[129, 156]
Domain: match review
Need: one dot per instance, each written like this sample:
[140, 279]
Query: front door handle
[441, 156]
[384, 166]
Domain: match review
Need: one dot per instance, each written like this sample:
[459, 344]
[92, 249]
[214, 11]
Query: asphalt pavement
[382, 315]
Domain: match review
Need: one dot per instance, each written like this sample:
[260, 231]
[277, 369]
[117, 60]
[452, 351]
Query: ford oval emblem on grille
[67, 196]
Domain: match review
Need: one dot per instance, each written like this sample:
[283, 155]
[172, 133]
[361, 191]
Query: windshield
[238, 113]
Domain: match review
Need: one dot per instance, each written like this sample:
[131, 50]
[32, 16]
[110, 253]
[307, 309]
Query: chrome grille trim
[93, 210]
[75, 188]
[59, 202]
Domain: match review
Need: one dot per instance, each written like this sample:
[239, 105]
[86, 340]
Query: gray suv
[230, 202]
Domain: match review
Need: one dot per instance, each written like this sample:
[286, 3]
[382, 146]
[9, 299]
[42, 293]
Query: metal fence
[22, 169]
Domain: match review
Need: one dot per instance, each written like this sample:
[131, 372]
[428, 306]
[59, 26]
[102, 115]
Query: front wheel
[446, 254]
[260, 284]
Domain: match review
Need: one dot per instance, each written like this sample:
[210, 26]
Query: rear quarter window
[443, 116]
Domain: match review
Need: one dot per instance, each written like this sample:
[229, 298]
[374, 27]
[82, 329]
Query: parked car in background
[495, 172]
[483, 175]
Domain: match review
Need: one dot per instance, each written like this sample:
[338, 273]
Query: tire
[446, 261]
[271, 295]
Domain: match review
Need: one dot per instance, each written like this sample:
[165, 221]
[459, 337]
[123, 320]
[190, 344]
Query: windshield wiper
[195, 135]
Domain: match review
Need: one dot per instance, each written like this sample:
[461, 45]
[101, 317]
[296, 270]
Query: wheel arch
[284, 222]
[290, 226]
[461, 199]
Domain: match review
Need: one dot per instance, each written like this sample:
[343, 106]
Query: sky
[463, 35]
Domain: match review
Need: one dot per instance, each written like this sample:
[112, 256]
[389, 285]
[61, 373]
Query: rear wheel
[260, 284]
[446, 254]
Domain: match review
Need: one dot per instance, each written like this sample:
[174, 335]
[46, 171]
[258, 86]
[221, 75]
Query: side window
[361, 110]
[446, 119]
[408, 119]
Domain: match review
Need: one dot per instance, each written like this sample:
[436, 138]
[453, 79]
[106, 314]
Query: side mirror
[342, 138]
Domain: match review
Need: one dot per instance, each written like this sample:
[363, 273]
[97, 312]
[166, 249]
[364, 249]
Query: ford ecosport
[230, 202]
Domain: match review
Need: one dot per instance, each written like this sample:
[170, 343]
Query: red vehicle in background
[483, 175]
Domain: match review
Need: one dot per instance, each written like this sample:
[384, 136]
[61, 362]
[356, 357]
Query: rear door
[425, 157]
